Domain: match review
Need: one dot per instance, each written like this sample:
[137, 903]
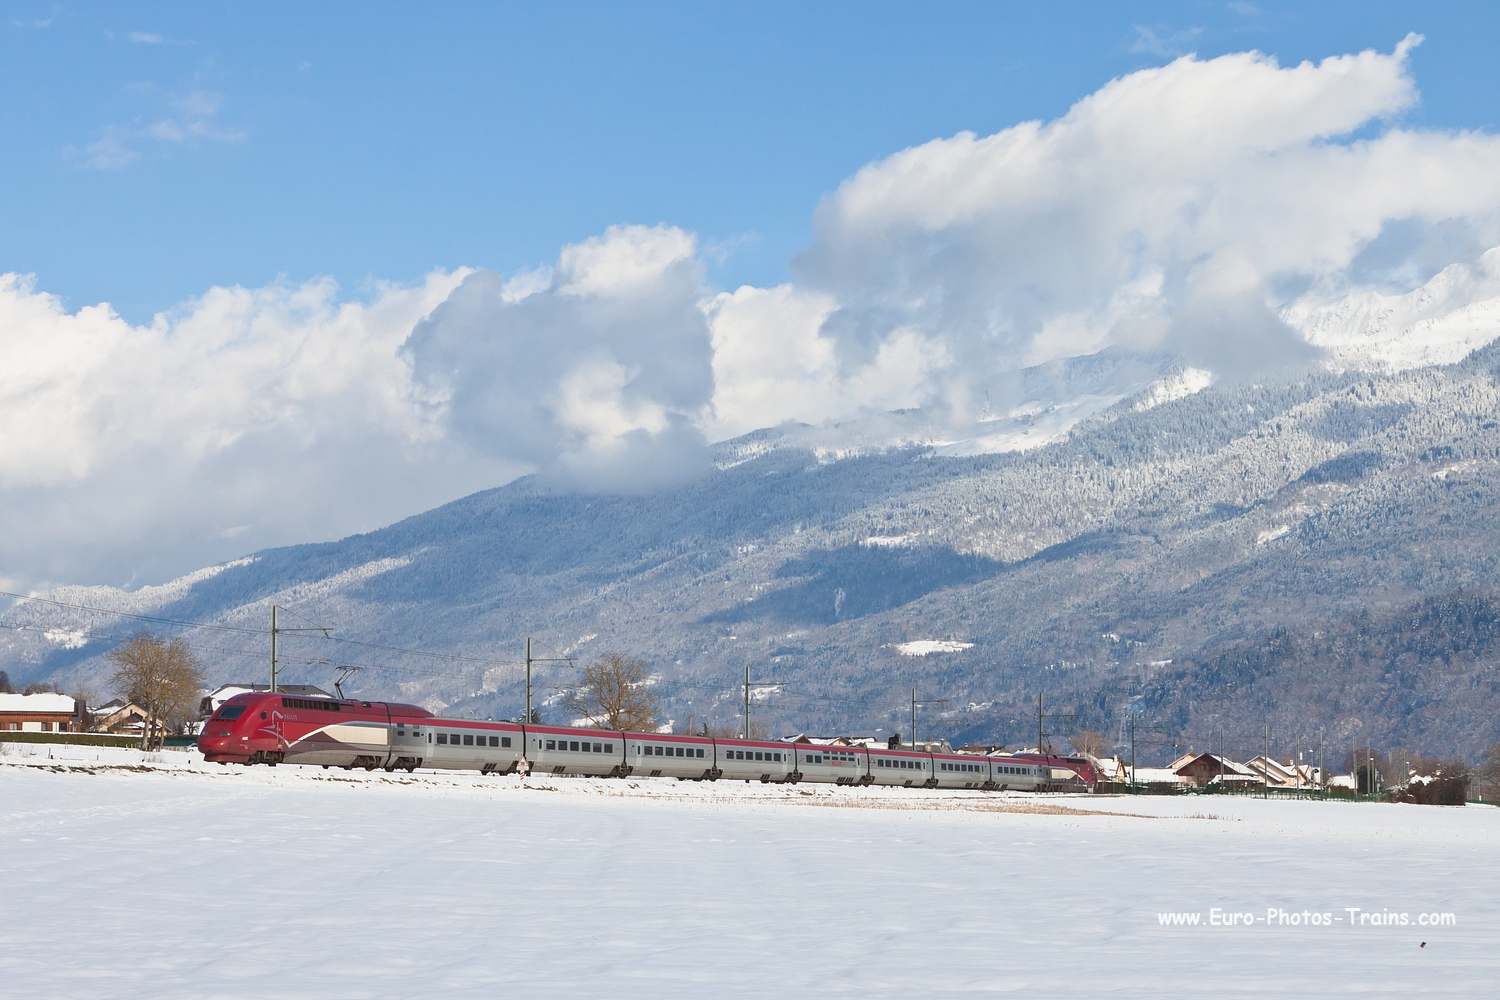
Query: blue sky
[371, 140]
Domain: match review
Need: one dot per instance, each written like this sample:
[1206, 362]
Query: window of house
[46, 727]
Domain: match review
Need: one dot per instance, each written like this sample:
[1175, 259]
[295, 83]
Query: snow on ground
[925, 647]
[131, 875]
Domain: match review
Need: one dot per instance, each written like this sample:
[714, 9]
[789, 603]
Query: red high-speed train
[263, 728]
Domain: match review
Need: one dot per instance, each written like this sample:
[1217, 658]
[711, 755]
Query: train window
[697, 753]
[443, 738]
[504, 741]
[573, 745]
[608, 747]
[551, 745]
[598, 748]
[229, 713]
[469, 739]
[453, 738]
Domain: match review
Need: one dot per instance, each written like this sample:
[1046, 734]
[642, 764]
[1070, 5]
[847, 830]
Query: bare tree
[160, 675]
[614, 695]
[1090, 743]
[1487, 775]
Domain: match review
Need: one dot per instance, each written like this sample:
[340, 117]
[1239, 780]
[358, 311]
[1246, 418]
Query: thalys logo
[274, 728]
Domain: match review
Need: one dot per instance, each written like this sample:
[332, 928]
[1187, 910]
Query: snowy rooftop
[36, 703]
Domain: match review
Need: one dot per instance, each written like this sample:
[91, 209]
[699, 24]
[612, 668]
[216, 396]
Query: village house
[37, 713]
[119, 716]
[1198, 769]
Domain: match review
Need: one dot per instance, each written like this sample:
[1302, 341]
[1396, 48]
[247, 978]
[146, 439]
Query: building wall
[36, 722]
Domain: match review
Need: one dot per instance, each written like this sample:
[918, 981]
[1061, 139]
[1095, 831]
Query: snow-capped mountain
[1456, 312]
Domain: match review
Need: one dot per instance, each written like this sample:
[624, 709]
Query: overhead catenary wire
[155, 619]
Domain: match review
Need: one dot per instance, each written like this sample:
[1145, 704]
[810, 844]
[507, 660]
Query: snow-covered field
[133, 876]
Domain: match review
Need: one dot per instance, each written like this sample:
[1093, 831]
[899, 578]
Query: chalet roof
[1229, 766]
[53, 703]
[1269, 764]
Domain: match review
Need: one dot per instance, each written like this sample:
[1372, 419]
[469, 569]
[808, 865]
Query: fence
[91, 739]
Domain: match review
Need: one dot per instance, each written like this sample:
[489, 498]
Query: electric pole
[1041, 734]
[915, 701]
[1265, 766]
[526, 720]
[275, 631]
[745, 735]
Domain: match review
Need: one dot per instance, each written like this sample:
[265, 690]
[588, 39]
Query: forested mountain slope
[1150, 562]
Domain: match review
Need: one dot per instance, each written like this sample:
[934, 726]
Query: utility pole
[275, 631]
[746, 734]
[537, 659]
[1265, 766]
[1221, 760]
[1132, 751]
[914, 703]
[1041, 733]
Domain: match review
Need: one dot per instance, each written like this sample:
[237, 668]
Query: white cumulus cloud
[596, 372]
[1174, 208]
[243, 418]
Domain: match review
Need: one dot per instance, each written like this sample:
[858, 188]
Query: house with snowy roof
[1199, 769]
[37, 713]
[119, 715]
[1276, 774]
